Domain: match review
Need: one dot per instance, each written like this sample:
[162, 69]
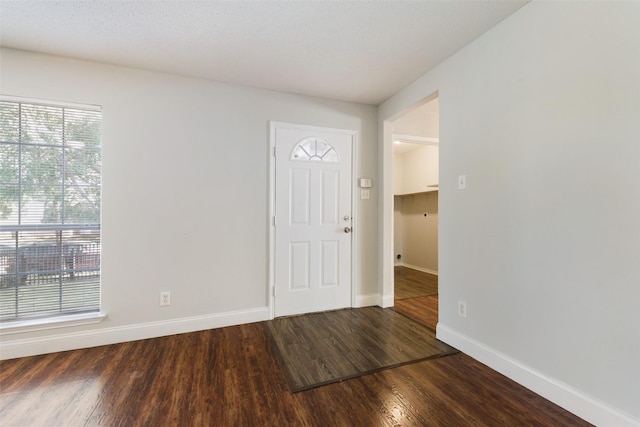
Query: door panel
[330, 192]
[299, 265]
[299, 196]
[330, 263]
[312, 254]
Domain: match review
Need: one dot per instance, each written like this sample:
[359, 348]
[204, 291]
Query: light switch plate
[365, 182]
[462, 182]
[365, 194]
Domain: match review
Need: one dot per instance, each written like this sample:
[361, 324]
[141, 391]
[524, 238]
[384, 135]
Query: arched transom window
[315, 150]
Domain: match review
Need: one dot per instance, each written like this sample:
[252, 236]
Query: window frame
[50, 318]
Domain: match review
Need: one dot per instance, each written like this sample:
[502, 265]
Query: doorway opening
[415, 139]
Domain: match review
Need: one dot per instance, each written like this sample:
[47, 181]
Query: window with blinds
[50, 193]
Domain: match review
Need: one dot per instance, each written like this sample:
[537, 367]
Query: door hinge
[274, 221]
[274, 291]
[274, 151]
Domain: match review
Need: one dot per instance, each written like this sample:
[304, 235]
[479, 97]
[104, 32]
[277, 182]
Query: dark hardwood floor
[410, 283]
[230, 377]
[416, 295]
[423, 310]
[321, 348]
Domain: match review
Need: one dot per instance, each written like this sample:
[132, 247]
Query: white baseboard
[367, 300]
[374, 299]
[563, 395]
[387, 301]
[415, 267]
[10, 349]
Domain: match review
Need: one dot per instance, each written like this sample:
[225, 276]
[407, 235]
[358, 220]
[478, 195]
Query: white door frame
[273, 126]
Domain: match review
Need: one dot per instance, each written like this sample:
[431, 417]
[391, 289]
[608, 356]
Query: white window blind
[50, 196]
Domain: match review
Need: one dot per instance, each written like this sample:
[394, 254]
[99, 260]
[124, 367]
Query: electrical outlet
[462, 309]
[165, 298]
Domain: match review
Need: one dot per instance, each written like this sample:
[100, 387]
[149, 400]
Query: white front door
[313, 218]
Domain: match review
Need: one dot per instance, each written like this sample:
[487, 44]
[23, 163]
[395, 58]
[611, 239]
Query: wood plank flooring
[416, 295]
[423, 310]
[321, 348]
[410, 283]
[230, 377]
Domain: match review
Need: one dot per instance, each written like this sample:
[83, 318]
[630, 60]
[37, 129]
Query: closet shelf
[430, 189]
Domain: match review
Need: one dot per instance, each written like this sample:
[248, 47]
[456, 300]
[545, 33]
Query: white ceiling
[361, 51]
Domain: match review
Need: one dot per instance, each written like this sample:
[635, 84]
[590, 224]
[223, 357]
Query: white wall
[416, 235]
[185, 194]
[416, 170]
[420, 121]
[542, 114]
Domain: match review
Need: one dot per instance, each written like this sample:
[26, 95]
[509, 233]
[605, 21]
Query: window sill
[22, 326]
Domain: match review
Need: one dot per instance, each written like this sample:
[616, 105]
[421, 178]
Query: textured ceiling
[353, 51]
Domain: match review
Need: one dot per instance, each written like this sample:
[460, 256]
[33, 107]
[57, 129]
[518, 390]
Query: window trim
[35, 101]
[54, 322]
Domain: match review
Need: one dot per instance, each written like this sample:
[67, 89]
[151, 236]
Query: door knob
[347, 229]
